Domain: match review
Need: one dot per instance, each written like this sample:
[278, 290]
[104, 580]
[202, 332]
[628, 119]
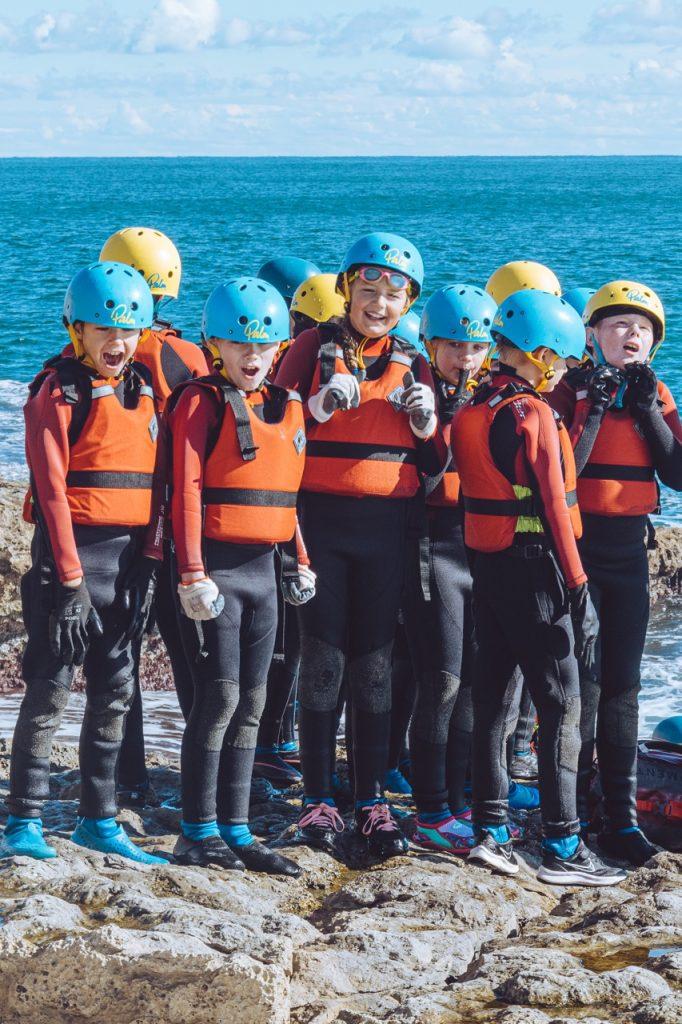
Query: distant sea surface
[590, 219]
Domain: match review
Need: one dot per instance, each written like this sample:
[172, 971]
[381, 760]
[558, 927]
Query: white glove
[419, 402]
[342, 392]
[298, 586]
[201, 600]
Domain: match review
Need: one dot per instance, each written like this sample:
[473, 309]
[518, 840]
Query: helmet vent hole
[384, 247]
[170, 273]
[486, 321]
[110, 270]
[267, 320]
[464, 321]
[261, 287]
[140, 233]
[406, 254]
[461, 291]
[243, 319]
[133, 305]
[242, 288]
[109, 303]
[510, 314]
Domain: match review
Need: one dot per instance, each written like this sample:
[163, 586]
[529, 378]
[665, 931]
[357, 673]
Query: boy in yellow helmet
[626, 432]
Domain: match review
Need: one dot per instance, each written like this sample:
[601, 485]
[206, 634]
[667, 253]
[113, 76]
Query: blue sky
[211, 77]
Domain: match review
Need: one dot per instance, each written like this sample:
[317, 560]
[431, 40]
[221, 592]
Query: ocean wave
[12, 458]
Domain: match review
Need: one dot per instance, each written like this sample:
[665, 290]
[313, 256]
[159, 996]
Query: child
[91, 447]
[521, 275]
[315, 301]
[238, 456]
[372, 433]
[286, 273]
[626, 432]
[170, 360]
[521, 522]
[455, 325]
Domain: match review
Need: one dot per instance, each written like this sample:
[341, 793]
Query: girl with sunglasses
[372, 437]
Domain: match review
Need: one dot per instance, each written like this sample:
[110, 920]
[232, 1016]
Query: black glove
[71, 621]
[585, 624]
[138, 586]
[602, 385]
[641, 396]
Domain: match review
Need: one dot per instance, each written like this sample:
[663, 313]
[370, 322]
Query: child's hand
[298, 585]
[642, 391]
[342, 392]
[419, 403]
[201, 600]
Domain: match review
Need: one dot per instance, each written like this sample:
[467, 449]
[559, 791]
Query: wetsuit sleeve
[535, 425]
[582, 421]
[562, 400]
[294, 552]
[191, 423]
[297, 367]
[153, 544]
[47, 418]
[663, 431]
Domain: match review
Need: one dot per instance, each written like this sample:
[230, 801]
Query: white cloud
[179, 25]
[448, 38]
[637, 22]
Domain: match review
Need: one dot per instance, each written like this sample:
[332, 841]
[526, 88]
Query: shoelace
[324, 815]
[379, 819]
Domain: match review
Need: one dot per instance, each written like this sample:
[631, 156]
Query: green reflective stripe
[526, 524]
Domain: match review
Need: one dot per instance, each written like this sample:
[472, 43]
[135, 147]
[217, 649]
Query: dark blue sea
[590, 219]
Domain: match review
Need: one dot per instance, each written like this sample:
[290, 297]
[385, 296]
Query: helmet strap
[547, 370]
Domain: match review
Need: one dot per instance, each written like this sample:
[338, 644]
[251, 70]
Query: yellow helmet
[317, 298]
[521, 275]
[620, 296]
[152, 253]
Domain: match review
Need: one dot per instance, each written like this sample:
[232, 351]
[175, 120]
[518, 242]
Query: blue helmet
[384, 249]
[111, 295]
[286, 273]
[578, 298]
[247, 310]
[531, 319]
[459, 312]
[407, 331]
[669, 730]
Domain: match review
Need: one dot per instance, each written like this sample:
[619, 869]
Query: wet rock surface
[424, 939]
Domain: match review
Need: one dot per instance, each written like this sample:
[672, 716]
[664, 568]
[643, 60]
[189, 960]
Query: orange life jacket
[113, 441]
[366, 451]
[170, 360]
[619, 477]
[495, 510]
[253, 468]
[446, 494]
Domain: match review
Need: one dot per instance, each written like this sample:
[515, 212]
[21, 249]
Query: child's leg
[257, 639]
[624, 616]
[108, 669]
[132, 768]
[323, 629]
[47, 693]
[167, 619]
[403, 692]
[376, 583]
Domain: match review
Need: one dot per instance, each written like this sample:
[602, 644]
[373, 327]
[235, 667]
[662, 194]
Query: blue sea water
[590, 219]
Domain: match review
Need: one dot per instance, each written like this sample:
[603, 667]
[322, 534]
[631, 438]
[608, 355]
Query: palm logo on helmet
[255, 331]
[395, 258]
[122, 316]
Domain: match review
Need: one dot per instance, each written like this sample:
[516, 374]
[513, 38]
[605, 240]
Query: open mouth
[112, 360]
[250, 372]
[631, 349]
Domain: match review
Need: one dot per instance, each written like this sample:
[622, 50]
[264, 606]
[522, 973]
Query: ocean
[592, 219]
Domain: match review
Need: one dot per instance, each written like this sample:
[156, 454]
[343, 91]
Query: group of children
[324, 467]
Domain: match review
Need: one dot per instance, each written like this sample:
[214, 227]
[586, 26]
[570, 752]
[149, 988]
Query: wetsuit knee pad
[43, 705]
[246, 719]
[111, 702]
[321, 674]
[619, 717]
[212, 711]
[436, 695]
[370, 680]
[569, 734]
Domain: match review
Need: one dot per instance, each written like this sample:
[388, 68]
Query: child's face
[246, 366]
[109, 348]
[625, 338]
[376, 307]
[453, 357]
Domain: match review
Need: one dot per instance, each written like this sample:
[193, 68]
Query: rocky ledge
[423, 939]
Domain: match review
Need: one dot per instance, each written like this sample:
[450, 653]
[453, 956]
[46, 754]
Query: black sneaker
[269, 765]
[380, 831]
[320, 825]
[498, 856]
[137, 798]
[583, 868]
[257, 857]
[199, 853]
[524, 767]
[633, 847]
